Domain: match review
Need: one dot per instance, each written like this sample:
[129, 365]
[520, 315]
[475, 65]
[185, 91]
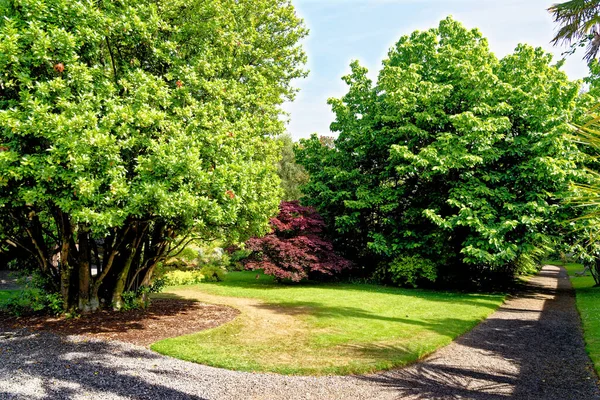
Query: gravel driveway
[531, 348]
[7, 280]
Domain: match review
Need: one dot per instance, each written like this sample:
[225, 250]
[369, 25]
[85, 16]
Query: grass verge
[317, 329]
[588, 304]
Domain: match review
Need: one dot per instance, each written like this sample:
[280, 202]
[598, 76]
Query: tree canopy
[453, 156]
[126, 126]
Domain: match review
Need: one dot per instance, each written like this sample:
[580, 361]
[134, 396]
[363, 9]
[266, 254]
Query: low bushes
[208, 273]
[34, 298]
[213, 273]
[410, 271]
[179, 278]
[32, 301]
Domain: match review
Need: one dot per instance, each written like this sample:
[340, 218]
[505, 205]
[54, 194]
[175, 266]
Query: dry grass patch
[325, 328]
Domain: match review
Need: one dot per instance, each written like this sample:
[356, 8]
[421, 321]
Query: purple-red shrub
[295, 249]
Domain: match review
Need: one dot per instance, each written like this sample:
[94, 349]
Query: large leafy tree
[128, 126]
[578, 25]
[453, 156]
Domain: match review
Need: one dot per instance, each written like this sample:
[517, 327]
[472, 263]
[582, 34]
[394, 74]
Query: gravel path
[7, 281]
[531, 348]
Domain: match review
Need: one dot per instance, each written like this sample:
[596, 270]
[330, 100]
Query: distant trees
[128, 127]
[292, 174]
[296, 248]
[453, 157]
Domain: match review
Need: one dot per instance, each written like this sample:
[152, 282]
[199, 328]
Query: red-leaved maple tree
[295, 249]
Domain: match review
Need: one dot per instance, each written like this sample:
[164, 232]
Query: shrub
[132, 301]
[213, 273]
[296, 248]
[33, 301]
[213, 256]
[189, 254]
[237, 255]
[410, 270]
[181, 278]
[140, 298]
[36, 297]
[187, 257]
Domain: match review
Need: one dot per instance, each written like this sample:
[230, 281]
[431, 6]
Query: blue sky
[364, 30]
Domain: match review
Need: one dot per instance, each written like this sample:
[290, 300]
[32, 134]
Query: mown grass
[588, 304]
[316, 329]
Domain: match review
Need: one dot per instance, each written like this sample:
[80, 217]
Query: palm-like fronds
[588, 194]
[578, 20]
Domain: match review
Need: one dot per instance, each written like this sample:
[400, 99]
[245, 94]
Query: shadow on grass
[450, 327]
[246, 281]
[64, 369]
[520, 357]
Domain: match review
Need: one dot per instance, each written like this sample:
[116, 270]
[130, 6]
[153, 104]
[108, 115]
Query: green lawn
[588, 303]
[320, 329]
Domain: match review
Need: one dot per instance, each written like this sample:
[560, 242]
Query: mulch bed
[164, 318]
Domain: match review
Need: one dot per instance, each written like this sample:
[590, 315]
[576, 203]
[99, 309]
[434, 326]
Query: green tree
[127, 127]
[579, 25]
[292, 174]
[453, 156]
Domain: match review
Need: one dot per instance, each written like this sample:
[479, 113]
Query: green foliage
[410, 270]
[132, 301]
[132, 123]
[32, 301]
[33, 298]
[189, 254]
[140, 299]
[214, 256]
[583, 236]
[213, 273]
[453, 155]
[236, 257]
[178, 277]
[157, 286]
[292, 174]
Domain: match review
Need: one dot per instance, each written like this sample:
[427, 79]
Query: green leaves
[453, 155]
[110, 110]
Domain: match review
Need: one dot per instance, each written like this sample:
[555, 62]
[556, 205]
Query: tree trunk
[125, 259]
[65, 275]
[66, 232]
[595, 271]
[123, 274]
[88, 298]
